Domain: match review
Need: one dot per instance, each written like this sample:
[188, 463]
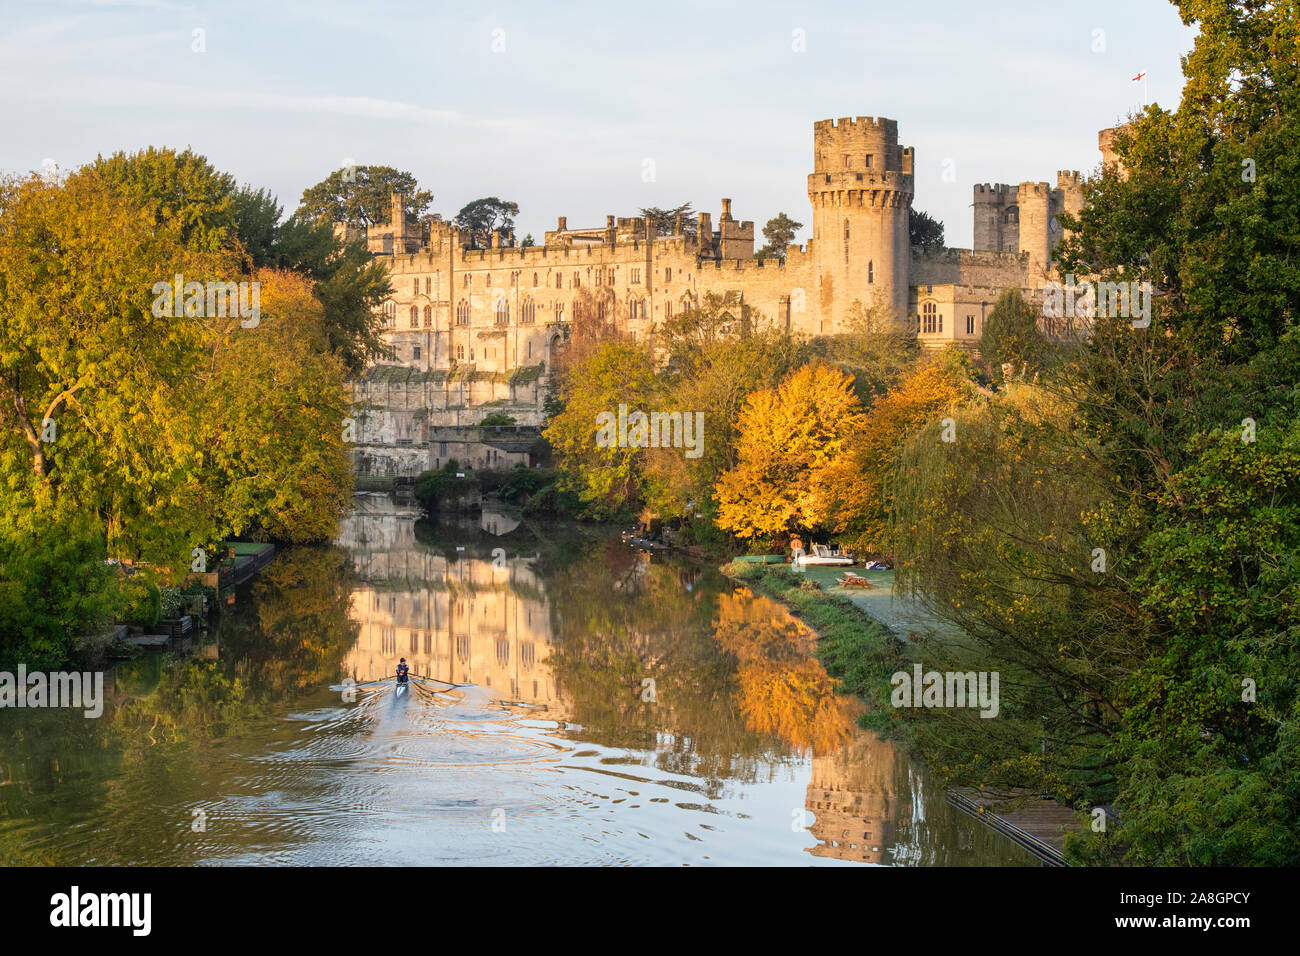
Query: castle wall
[475, 331]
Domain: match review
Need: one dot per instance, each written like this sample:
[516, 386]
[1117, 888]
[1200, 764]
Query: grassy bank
[855, 648]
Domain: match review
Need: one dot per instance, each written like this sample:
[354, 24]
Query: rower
[402, 671]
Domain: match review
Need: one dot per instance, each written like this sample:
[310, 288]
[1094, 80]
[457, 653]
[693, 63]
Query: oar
[371, 683]
[436, 680]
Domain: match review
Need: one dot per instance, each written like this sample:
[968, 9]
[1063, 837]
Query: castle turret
[1068, 198]
[997, 219]
[861, 194]
[1035, 202]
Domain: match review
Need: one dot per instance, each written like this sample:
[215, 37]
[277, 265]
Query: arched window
[577, 281]
[460, 353]
[930, 318]
[415, 317]
[465, 281]
[871, 272]
[462, 312]
[559, 280]
[559, 312]
[416, 283]
[534, 280]
[600, 310]
[503, 311]
[528, 312]
[428, 316]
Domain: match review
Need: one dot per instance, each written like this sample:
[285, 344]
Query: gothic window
[668, 274]
[462, 312]
[668, 310]
[534, 280]
[460, 353]
[503, 311]
[846, 229]
[415, 317]
[428, 285]
[970, 325]
[577, 281]
[930, 318]
[528, 313]
[871, 272]
[559, 281]
[428, 316]
[416, 284]
[465, 281]
[636, 276]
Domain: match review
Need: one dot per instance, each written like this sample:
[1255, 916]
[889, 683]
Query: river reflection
[612, 708]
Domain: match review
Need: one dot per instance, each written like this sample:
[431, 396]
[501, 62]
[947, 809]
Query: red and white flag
[1139, 76]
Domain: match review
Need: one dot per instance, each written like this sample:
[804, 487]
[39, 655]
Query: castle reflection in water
[455, 618]
[482, 617]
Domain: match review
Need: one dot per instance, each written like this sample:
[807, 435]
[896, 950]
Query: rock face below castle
[475, 331]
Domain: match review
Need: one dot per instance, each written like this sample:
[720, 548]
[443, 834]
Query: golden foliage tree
[788, 437]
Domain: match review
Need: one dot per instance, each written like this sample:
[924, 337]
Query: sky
[583, 109]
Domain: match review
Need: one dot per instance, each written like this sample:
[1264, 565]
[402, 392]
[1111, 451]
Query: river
[579, 703]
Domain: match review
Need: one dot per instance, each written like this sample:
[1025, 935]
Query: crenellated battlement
[1067, 178]
[993, 192]
[858, 124]
[921, 254]
[1034, 189]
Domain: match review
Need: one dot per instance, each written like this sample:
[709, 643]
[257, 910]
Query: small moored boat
[822, 555]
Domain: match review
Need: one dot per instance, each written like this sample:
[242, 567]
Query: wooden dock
[1036, 824]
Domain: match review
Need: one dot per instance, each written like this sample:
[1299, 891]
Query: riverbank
[862, 652]
[856, 649]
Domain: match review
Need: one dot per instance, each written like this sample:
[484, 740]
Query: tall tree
[924, 230]
[664, 220]
[779, 233]
[482, 217]
[361, 196]
[1011, 335]
[787, 436]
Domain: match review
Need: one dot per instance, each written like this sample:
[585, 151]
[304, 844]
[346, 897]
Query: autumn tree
[787, 437]
[855, 486]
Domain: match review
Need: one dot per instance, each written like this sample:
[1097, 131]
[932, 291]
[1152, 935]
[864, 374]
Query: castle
[474, 330]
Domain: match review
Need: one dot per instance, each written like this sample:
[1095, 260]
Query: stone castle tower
[861, 194]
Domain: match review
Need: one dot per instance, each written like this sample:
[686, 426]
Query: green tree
[605, 475]
[924, 230]
[482, 217]
[779, 233]
[1011, 335]
[664, 220]
[361, 196]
